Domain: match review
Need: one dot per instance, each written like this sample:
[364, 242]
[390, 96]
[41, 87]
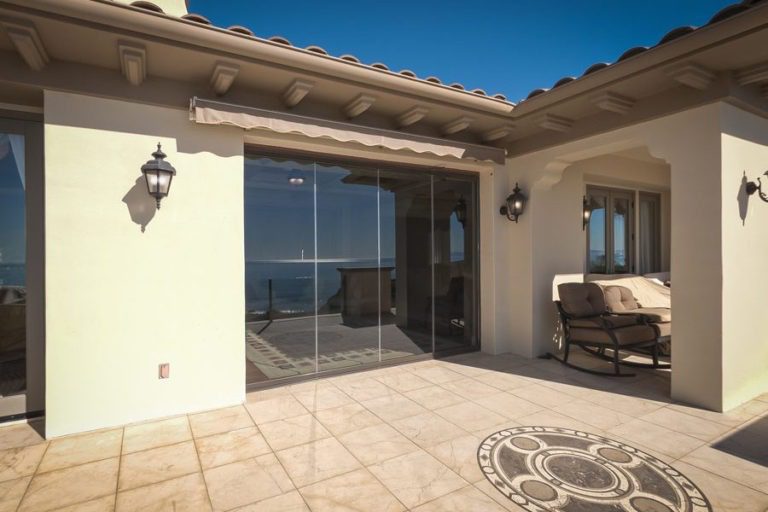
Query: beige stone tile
[504, 381]
[17, 436]
[685, 423]
[347, 418]
[143, 436]
[323, 398]
[404, 381]
[245, 482]
[550, 418]
[105, 504]
[470, 389]
[266, 394]
[11, 492]
[485, 432]
[656, 437]
[724, 495]
[355, 491]
[311, 385]
[625, 404]
[293, 431]
[434, 397]
[364, 389]
[508, 405]
[393, 407]
[288, 502]
[542, 395]
[427, 428]
[76, 484]
[18, 462]
[438, 374]
[184, 494]
[732, 418]
[316, 461]
[593, 414]
[157, 464]
[275, 409]
[492, 492]
[377, 443]
[467, 499]
[470, 416]
[73, 450]
[416, 478]
[220, 449]
[730, 466]
[219, 420]
[459, 454]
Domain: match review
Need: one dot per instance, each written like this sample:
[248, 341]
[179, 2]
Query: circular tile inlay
[559, 469]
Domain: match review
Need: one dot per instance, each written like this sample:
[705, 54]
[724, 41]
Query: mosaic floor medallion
[558, 469]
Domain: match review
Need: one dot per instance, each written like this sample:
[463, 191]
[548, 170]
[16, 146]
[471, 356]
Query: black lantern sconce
[586, 213]
[461, 211]
[753, 187]
[515, 204]
[158, 174]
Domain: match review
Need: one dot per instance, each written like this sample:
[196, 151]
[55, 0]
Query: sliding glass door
[21, 284]
[351, 265]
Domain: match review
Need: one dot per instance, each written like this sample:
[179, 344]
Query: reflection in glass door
[13, 257]
[348, 266]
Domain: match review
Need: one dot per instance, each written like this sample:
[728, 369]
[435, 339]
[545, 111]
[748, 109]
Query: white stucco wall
[120, 299]
[745, 257]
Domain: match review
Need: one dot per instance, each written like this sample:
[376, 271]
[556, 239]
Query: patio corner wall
[129, 287]
[718, 246]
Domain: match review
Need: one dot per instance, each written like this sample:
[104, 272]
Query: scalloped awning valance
[214, 112]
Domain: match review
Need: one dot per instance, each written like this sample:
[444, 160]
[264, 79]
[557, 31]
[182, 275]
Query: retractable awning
[204, 111]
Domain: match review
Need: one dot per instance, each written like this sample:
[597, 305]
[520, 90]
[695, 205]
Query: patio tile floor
[392, 439]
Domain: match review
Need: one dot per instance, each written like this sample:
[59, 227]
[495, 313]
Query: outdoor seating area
[391, 439]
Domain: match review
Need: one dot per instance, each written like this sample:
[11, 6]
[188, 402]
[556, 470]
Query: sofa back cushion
[582, 299]
[619, 299]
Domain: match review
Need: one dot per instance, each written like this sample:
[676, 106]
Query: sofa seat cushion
[663, 328]
[653, 315]
[612, 321]
[625, 336]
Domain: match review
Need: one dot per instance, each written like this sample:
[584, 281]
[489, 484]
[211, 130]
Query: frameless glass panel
[454, 263]
[348, 284]
[279, 268]
[621, 234]
[406, 273]
[597, 230]
[13, 291]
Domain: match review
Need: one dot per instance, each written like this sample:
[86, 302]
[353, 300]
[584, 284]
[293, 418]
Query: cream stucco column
[129, 287]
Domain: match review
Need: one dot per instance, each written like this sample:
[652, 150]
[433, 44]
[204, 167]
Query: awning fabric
[214, 112]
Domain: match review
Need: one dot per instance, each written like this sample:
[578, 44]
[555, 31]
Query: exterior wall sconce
[158, 174]
[515, 204]
[753, 187]
[586, 213]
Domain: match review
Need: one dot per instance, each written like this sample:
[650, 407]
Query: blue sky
[502, 46]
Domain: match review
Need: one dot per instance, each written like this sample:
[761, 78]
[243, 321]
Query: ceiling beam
[26, 39]
[296, 92]
[359, 105]
[456, 125]
[754, 75]
[223, 76]
[412, 116]
[692, 75]
[133, 62]
[613, 102]
[498, 133]
[555, 123]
